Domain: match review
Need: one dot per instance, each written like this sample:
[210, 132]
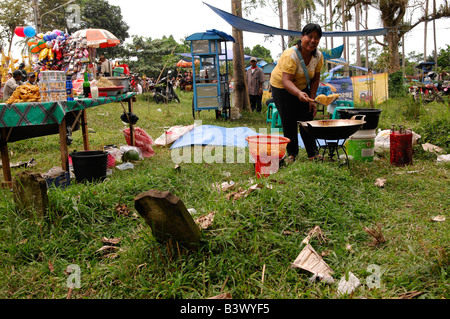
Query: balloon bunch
[22, 32]
[49, 49]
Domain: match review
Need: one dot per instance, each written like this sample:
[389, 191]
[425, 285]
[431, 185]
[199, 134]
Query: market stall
[27, 120]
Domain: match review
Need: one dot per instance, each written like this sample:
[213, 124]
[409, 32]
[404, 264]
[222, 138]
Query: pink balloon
[19, 32]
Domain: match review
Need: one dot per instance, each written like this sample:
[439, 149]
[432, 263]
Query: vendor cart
[210, 86]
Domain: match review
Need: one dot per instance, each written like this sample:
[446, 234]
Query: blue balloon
[47, 37]
[29, 31]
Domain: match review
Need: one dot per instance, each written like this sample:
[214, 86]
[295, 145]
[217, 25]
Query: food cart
[210, 86]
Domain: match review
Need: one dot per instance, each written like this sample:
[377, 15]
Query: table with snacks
[25, 120]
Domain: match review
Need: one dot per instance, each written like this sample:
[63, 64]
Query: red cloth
[142, 141]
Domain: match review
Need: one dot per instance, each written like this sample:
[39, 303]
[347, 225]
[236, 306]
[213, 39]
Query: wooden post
[63, 145]
[130, 109]
[5, 159]
[84, 130]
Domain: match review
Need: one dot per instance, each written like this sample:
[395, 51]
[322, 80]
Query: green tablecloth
[37, 113]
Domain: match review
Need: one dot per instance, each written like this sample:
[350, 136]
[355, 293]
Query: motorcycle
[164, 92]
[425, 93]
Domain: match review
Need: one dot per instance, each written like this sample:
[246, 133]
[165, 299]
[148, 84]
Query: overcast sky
[182, 18]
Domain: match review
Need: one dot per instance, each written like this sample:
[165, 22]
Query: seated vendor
[12, 84]
[31, 78]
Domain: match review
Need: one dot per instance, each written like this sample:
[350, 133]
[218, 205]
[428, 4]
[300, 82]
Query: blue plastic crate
[61, 181]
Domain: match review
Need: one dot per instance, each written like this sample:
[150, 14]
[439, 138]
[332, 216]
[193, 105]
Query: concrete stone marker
[168, 218]
[30, 193]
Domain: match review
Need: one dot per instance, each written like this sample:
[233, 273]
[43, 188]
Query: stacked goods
[53, 86]
[104, 83]
[25, 93]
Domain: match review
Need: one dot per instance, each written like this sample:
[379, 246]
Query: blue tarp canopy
[333, 53]
[250, 26]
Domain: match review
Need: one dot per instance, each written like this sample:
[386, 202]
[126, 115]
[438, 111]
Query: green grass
[263, 230]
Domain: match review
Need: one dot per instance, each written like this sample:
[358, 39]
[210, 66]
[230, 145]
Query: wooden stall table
[19, 121]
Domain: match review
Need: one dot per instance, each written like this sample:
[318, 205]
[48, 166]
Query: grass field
[249, 248]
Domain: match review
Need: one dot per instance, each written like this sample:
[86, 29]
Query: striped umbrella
[97, 38]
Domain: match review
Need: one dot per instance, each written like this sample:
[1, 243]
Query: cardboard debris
[346, 287]
[310, 260]
[438, 218]
[380, 182]
[243, 192]
[205, 221]
[409, 294]
[427, 147]
[111, 241]
[25, 164]
[443, 158]
[226, 295]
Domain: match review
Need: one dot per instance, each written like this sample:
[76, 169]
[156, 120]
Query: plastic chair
[270, 108]
[344, 103]
[276, 122]
[335, 115]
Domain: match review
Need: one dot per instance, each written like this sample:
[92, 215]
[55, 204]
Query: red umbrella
[97, 38]
[184, 64]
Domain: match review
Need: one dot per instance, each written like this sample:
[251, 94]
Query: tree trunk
[331, 21]
[241, 98]
[325, 21]
[434, 32]
[366, 38]
[425, 33]
[280, 15]
[293, 17]
[358, 47]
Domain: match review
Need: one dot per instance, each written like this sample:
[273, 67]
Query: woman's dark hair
[308, 29]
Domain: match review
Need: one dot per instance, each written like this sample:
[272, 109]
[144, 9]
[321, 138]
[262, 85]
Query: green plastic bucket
[361, 145]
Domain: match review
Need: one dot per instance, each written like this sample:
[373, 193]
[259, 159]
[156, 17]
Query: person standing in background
[24, 72]
[255, 80]
[105, 66]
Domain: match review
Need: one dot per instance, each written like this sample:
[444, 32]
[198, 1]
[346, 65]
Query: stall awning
[250, 26]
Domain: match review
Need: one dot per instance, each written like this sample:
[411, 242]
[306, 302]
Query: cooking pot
[333, 129]
[120, 81]
[372, 116]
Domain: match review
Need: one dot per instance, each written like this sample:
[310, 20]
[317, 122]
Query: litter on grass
[380, 182]
[310, 260]
[427, 147]
[443, 158]
[438, 218]
[205, 221]
[377, 235]
[347, 286]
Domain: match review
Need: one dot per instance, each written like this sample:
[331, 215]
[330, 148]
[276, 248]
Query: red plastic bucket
[266, 151]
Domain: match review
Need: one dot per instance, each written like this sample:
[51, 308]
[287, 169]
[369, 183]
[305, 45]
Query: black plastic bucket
[372, 116]
[89, 166]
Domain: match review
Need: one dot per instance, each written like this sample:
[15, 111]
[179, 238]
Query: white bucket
[361, 145]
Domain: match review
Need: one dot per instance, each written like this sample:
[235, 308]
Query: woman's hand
[304, 97]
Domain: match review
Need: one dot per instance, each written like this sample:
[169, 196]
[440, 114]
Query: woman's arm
[313, 91]
[289, 85]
